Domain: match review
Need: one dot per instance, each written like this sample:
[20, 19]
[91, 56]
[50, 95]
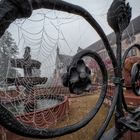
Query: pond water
[47, 103]
[18, 106]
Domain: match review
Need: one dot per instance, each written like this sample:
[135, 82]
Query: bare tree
[8, 49]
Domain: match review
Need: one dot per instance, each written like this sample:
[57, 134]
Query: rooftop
[131, 30]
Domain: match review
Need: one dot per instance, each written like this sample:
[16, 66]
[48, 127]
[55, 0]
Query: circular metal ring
[137, 46]
[135, 74]
[11, 12]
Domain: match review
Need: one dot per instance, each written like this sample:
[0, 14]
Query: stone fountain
[28, 81]
[45, 109]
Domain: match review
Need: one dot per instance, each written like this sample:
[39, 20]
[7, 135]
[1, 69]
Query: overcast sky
[62, 29]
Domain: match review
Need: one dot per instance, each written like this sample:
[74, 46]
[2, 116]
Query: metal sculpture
[134, 71]
[136, 78]
[130, 63]
[78, 79]
[119, 16]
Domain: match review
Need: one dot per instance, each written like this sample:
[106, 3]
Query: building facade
[130, 37]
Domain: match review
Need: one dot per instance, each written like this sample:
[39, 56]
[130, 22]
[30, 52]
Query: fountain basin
[49, 110]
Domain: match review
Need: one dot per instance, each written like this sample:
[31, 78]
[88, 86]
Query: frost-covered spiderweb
[47, 33]
[54, 38]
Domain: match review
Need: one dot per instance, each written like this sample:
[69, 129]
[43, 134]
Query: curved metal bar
[109, 116]
[135, 73]
[123, 62]
[125, 106]
[127, 51]
[118, 19]
[15, 10]
[10, 122]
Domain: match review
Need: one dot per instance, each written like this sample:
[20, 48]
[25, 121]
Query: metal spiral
[134, 71]
[11, 10]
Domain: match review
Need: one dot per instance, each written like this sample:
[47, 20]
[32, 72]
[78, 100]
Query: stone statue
[27, 64]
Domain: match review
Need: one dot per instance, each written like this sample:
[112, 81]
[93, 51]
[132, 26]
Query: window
[134, 52]
[130, 40]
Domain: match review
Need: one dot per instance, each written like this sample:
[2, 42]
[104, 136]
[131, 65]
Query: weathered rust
[129, 62]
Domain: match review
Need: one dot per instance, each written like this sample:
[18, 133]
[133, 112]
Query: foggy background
[47, 29]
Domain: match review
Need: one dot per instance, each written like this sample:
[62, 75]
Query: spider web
[44, 33]
[44, 42]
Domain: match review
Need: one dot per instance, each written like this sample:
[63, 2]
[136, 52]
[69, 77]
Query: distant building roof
[62, 59]
[79, 49]
[65, 59]
[132, 29]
